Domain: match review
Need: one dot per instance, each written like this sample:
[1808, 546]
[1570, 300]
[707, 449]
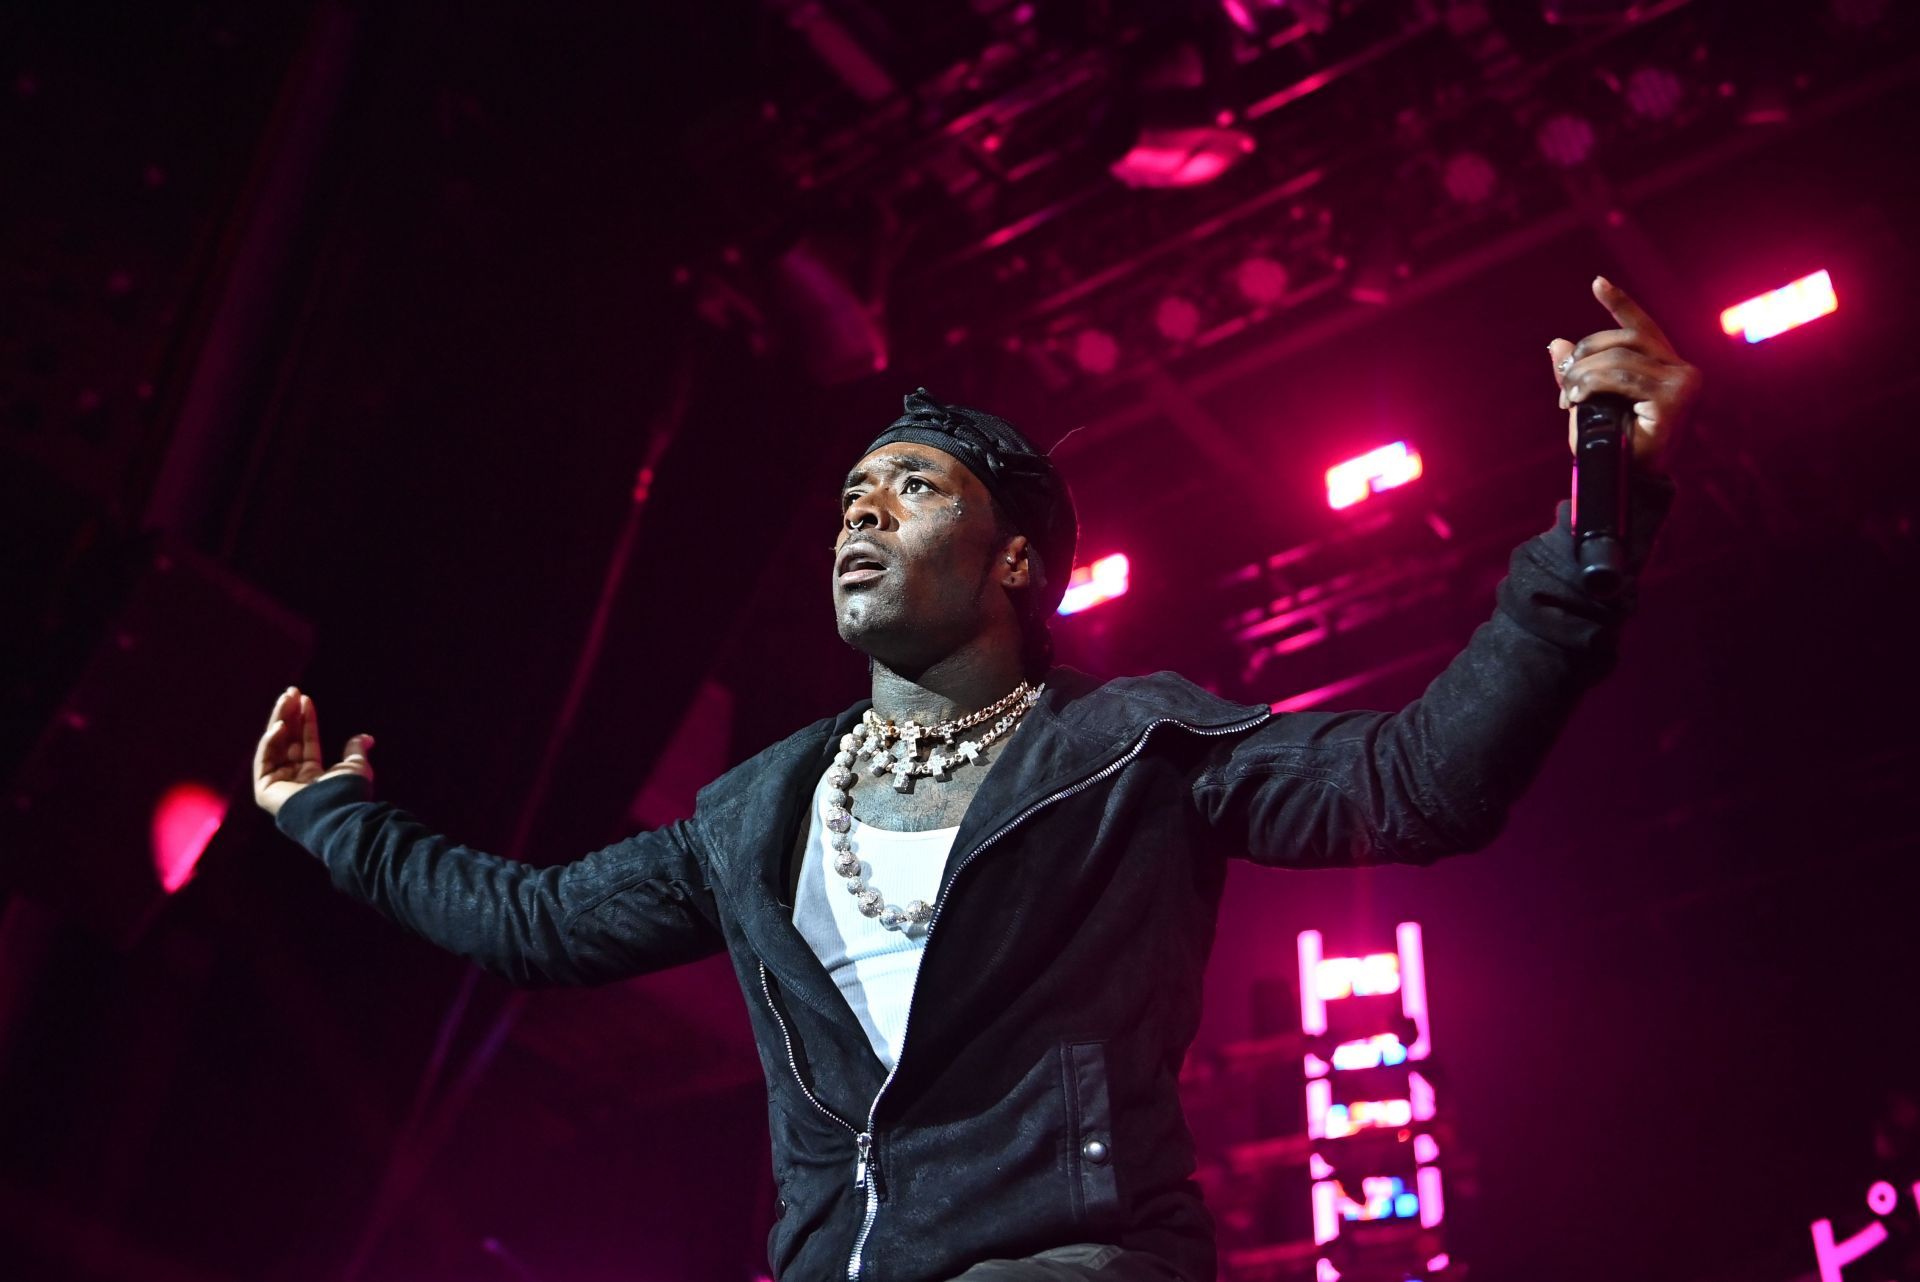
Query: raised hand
[1636, 361]
[288, 757]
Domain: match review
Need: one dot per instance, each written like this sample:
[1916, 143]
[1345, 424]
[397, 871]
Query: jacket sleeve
[639, 905]
[1437, 777]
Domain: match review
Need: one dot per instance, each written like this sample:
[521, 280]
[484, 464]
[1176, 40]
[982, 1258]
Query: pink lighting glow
[1326, 1222]
[184, 822]
[1832, 1256]
[1094, 584]
[1164, 158]
[1413, 987]
[1361, 1115]
[1420, 1095]
[1432, 1205]
[1319, 1105]
[1386, 468]
[1382, 1050]
[1376, 1134]
[1779, 310]
[1566, 140]
[1382, 1197]
[1313, 1008]
[1369, 976]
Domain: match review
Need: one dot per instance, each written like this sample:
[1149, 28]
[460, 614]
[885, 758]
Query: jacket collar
[752, 814]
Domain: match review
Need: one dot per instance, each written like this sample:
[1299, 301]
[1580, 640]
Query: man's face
[917, 566]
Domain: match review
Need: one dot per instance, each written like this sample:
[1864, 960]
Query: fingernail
[1577, 394]
[1603, 282]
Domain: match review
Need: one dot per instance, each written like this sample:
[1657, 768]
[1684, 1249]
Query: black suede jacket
[1035, 1100]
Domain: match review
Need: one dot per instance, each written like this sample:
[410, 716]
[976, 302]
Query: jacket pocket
[1090, 1152]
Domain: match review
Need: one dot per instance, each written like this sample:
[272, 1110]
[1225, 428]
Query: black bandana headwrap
[1021, 479]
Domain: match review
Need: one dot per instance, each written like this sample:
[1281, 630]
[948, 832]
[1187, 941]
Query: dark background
[373, 314]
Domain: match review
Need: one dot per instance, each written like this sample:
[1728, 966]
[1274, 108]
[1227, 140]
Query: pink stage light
[1413, 987]
[1326, 1222]
[1420, 1093]
[1778, 310]
[1095, 584]
[1382, 1050]
[1433, 1207]
[1367, 1114]
[1319, 1108]
[1191, 157]
[1382, 1197]
[1374, 975]
[1386, 468]
[1313, 1009]
[184, 822]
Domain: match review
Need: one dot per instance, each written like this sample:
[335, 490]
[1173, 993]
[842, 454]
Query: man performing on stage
[1003, 1106]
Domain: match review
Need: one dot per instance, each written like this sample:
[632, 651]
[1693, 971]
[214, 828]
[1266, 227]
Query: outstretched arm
[638, 905]
[1439, 776]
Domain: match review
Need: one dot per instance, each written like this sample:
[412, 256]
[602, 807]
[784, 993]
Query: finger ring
[1566, 364]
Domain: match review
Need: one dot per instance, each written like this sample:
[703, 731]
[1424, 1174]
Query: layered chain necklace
[895, 750]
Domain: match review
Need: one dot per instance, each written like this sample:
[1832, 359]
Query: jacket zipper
[865, 1174]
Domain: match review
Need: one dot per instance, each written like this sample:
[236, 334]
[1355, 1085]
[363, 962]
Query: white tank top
[873, 967]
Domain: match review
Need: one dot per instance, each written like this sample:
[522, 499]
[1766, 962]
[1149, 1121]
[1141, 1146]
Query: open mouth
[858, 565]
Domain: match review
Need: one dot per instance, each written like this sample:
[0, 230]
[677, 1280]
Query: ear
[1014, 570]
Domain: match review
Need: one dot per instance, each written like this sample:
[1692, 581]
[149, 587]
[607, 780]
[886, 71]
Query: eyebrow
[894, 463]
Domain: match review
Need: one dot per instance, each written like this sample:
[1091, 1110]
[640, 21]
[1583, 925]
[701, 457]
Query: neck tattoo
[896, 750]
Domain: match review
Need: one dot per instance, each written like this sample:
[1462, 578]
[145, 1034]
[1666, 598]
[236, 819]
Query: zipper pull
[863, 1142]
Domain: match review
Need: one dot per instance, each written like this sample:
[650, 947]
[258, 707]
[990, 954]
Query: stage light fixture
[1177, 157]
[1470, 178]
[1778, 310]
[1096, 584]
[1177, 319]
[1565, 140]
[1386, 468]
[1096, 351]
[1261, 17]
[1261, 281]
[1373, 1159]
[1654, 93]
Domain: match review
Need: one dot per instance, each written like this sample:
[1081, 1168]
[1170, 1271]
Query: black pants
[1088, 1263]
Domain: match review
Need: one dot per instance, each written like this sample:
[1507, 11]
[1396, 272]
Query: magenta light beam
[184, 822]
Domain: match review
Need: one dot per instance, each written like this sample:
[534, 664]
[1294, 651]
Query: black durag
[1021, 479]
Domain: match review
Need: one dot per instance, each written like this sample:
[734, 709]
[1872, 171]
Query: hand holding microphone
[1626, 391]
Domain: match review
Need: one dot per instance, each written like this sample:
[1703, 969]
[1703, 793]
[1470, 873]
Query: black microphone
[1602, 446]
